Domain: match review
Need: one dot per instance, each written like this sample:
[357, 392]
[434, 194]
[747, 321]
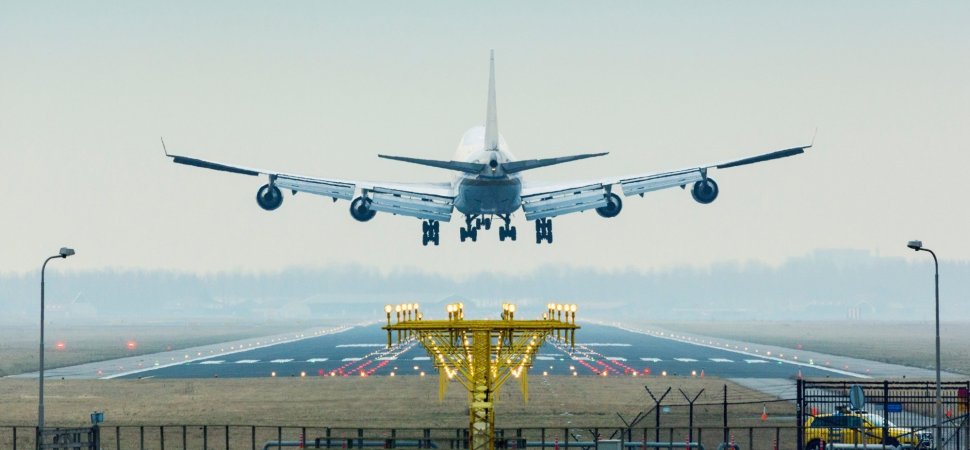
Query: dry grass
[373, 402]
[83, 344]
[906, 343]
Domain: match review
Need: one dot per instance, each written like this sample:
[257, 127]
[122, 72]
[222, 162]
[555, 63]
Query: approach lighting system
[507, 346]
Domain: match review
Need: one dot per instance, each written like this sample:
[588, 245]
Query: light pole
[63, 253]
[938, 439]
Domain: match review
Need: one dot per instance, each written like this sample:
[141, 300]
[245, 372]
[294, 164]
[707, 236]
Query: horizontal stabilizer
[766, 157]
[519, 166]
[466, 167]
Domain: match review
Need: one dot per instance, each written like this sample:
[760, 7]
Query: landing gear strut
[507, 230]
[431, 230]
[543, 230]
[470, 231]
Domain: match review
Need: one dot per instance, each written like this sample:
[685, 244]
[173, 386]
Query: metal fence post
[885, 412]
[161, 436]
[725, 418]
[185, 440]
[227, 437]
[799, 413]
[141, 437]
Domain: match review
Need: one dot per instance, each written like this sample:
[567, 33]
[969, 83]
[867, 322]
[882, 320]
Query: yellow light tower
[483, 354]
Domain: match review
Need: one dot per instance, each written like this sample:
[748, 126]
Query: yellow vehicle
[860, 428]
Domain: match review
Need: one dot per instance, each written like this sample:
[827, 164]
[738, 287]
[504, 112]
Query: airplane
[489, 184]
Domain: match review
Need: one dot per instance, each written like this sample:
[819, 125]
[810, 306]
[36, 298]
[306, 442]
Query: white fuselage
[484, 194]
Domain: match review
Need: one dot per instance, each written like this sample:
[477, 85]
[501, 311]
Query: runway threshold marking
[247, 361]
[212, 362]
[651, 359]
[316, 360]
[685, 359]
[282, 360]
[721, 360]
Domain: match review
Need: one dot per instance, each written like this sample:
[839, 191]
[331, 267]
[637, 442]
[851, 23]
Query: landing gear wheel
[511, 233]
[543, 230]
[487, 223]
[431, 233]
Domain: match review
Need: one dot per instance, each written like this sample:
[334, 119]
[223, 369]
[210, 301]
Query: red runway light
[60, 345]
[131, 345]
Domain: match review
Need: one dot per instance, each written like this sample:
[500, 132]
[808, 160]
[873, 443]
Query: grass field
[82, 344]
[906, 343]
[403, 401]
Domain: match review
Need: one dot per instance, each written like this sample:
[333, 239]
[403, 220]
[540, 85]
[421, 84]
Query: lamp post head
[915, 245]
[65, 252]
[387, 308]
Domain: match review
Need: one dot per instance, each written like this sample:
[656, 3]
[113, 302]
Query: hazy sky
[319, 88]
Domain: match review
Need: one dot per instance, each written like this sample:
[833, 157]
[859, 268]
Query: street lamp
[63, 253]
[917, 246]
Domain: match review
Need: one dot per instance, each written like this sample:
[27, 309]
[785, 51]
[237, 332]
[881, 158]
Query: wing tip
[165, 150]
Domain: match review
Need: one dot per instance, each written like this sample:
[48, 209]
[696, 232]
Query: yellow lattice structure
[482, 354]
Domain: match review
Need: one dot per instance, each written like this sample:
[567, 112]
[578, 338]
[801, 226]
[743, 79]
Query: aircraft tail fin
[491, 116]
[529, 164]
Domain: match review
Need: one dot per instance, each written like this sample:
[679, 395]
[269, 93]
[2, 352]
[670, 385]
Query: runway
[600, 351]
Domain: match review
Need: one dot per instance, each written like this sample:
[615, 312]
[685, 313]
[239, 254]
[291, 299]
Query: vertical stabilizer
[491, 119]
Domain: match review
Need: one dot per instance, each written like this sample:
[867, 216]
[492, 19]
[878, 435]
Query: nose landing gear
[431, 230]
[543, 230]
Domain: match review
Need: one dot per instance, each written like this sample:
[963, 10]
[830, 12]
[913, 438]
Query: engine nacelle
[269, 197]
[612, 208]
[360, 209]
[704, 191]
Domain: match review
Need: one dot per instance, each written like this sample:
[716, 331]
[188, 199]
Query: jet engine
[269, 197]
[704, 191]
[612, 208]
[360, 209]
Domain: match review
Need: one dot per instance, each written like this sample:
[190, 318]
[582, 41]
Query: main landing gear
[470, 231]
[474, 223]
[507, 230]
[431, 230]
[543, 230]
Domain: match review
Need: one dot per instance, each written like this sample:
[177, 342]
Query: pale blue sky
[320, 88]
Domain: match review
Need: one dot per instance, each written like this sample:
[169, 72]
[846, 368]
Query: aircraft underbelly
[479, 196]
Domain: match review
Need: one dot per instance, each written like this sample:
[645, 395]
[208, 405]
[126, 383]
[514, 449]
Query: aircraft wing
[426, 201]
[543, 200]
